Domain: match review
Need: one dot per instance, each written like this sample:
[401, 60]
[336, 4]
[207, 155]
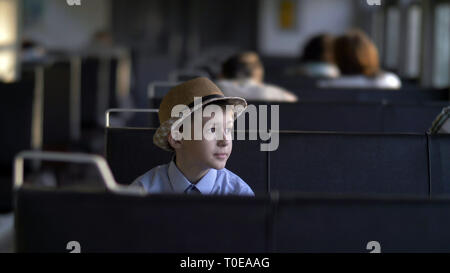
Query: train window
[442, 45]
[413, 42]
[378, 32]
[8, 39]
[392, 33]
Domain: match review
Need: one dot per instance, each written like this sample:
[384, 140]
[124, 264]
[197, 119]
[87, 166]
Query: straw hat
[184, 94]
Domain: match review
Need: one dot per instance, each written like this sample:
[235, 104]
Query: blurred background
[343, 65]
[63, 64]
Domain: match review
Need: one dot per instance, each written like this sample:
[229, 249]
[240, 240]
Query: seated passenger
[201, 149]
[33, 52]
[357, 59]
[317, 59]
[242, 76]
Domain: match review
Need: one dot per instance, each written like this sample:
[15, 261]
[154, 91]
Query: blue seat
[350, 163]
[348, 224]
[371, 95]
[104, 222]
[329, 116]
[410, 118]
[439, 147]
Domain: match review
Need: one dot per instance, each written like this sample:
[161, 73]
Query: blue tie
[192, 189]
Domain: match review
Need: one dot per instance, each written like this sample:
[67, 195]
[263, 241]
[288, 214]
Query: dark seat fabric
[354, 117]
[350, 163]
[57, 104]
[372, 95]
[439, 146]
[89, 92]
[46, 220]
[340, 117]
[5, 192]
[251, 164]
[130, 152]
[16, 107]
[410, 118]
[349, 224]
[16, 104]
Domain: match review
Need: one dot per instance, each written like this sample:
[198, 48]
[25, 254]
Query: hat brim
[161, 134]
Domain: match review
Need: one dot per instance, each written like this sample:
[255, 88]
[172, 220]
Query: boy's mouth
[221, 156]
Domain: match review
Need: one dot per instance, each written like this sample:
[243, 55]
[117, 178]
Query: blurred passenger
[317, 59]
[357, 59]
[242, 76]
[102, 45]
[32, 51]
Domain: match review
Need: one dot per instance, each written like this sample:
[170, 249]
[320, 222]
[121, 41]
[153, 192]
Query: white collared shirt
[252, 90]
[169, 179]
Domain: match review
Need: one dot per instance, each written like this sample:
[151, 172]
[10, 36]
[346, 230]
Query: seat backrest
[410, 118]
[350, 163]
[306, 162]
[16, 106]
[329, 116]
[16, 115]
[57, 104]
[368, 117]
[439, 146]
[130, 152]
[349, 224]
[372, 95]
[104, 222]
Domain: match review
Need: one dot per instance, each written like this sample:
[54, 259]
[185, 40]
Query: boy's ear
[176, 144]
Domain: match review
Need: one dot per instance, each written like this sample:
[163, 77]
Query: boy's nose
[223, 143]
[225, 140]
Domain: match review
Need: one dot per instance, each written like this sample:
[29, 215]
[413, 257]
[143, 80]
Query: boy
[198, 166]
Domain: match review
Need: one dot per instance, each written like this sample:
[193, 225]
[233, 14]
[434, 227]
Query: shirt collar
[180, 183]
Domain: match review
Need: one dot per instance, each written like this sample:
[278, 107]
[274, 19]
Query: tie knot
[192, 189]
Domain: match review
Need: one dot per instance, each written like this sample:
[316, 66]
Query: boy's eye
[227, 130]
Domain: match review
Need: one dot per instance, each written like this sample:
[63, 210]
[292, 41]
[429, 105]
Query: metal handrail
[132, 110]
[96, 160]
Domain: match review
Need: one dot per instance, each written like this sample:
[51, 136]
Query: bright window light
[7, 65]
[9, 39]
[8, 22]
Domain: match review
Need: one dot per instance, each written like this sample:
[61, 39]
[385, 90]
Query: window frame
[433, 56]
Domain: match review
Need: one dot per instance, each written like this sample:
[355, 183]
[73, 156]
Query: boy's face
[213, 150]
